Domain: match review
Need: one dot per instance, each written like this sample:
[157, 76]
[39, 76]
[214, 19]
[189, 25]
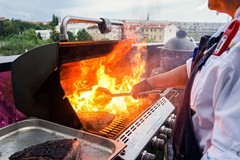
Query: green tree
[17, 36]
[55, 21]
[14, 27]
[54, 35]
[83, 35]
[9, 28]
[18, 44]
[71, 37]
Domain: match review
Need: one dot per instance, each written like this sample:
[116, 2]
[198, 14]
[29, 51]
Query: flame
[117, 72]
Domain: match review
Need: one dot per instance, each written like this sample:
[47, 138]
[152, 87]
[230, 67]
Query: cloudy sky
[170, 10]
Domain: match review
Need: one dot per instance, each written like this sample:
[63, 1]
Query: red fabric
[227, 37]
[8, 112]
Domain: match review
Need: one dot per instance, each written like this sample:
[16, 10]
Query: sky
[163, 10]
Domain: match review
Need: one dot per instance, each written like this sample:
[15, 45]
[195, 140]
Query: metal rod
[73, 19]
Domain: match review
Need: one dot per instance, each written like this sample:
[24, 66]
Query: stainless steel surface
[147, 156]
[105, 92]
[138, 135]
[166, 131]
[63, 28]
[158, 143]
[29, 132]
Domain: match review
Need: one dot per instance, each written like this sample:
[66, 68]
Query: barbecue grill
[177, 51]
[43, 85]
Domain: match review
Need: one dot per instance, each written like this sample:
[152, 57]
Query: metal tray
[33, 131]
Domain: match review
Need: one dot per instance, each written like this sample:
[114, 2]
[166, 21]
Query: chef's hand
[141, 87]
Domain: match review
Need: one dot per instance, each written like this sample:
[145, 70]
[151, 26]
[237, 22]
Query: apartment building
[158, 33]
[198, 28]
[150, 31]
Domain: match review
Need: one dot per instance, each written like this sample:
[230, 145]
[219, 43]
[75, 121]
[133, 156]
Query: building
[115, 33]
[159, 33]
[198, 29]
[71, 27]
[139, 30]
[45, 34]
[150, 31]
[2, 18]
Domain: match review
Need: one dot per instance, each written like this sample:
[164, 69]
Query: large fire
[117, 72]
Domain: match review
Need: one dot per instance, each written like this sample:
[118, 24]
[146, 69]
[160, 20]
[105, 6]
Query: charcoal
[63, 149]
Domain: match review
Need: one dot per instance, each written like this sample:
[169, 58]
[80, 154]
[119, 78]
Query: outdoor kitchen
[83, 90]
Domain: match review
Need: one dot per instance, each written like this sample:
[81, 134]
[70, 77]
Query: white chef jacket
[215, 97]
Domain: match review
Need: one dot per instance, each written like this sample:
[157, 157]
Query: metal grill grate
[122, 122]
[118, 125]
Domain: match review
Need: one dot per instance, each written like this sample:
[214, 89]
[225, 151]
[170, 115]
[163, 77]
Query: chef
[208, 120]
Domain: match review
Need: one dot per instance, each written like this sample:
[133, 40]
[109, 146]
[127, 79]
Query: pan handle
[104, 25]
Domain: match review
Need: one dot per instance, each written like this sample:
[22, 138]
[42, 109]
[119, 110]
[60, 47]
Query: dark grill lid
[180, 43]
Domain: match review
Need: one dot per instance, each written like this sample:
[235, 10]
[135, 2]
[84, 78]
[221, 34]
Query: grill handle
[104, 25]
